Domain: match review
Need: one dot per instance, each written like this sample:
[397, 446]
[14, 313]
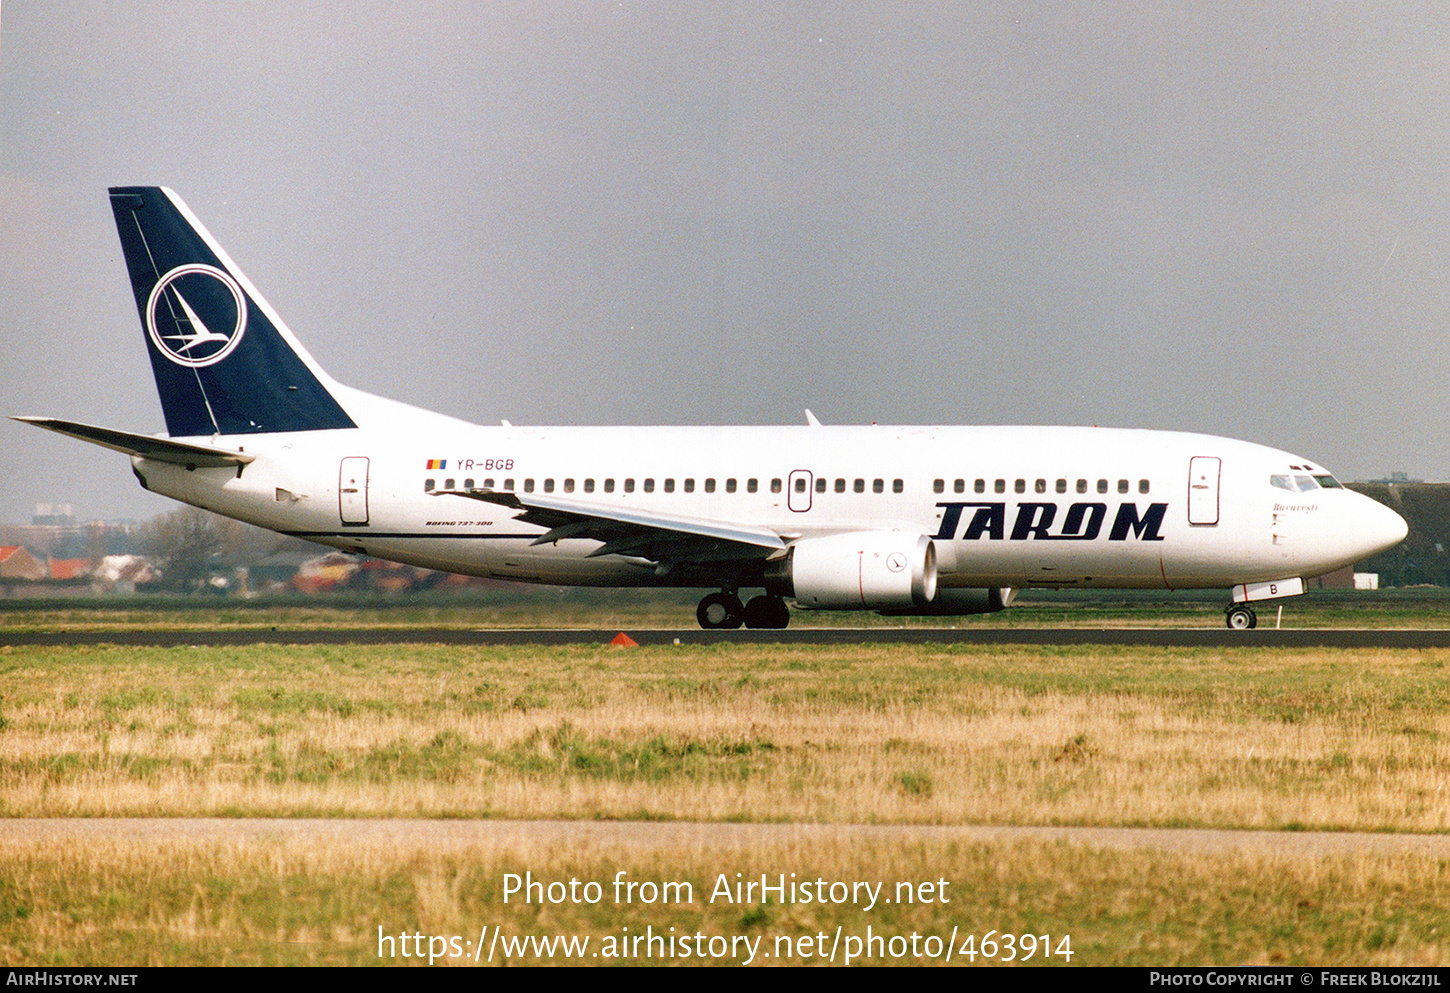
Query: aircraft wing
[143, 445]
[659, 537]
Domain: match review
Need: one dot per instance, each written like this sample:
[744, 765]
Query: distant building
[1339, 579]
[325, 572]
[70, 570]
[16, 563]
[60, 515]
[123, 573]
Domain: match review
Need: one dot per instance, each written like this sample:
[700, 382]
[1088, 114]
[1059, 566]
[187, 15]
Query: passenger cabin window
[1062, 486]
[1082, 485]
[1040, 486]
[897, 486]
[669, 486]
[960, 486]
[428, 485]
[800, 485]
[1142, 486]
[878, 486]
[820, 484]
[548, 486]
[1102, 486]
[1122, 486]
[1000, 486]
[940, 486]
[528, 486]
[859, 486]
[709, 486]
[980, 486]
[488, 484]
[1020, 486]
[568, 486]
[609, 486]
[508, 484]
[629, 486]
[689, 486]
[468, 484]
[751, 485]
[588, 486]
[840, 486]
[649, 485]
[729, 486]
[448, 484]
[775, 486]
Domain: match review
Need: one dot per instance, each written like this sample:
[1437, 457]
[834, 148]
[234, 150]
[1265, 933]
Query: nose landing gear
[1241, 617]
[724, 610]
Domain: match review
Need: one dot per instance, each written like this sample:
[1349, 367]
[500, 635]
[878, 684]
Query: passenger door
[352, 491]
[1203, 473]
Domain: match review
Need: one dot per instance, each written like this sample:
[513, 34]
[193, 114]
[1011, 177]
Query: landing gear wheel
[720, 610]
[1241, 618]
[766, 612]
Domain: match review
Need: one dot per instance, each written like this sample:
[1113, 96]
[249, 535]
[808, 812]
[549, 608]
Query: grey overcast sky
[1216, 217]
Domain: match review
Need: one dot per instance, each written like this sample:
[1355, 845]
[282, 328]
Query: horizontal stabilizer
[144, 446]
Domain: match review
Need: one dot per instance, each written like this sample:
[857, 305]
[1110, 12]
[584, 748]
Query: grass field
[1351, 740]
[281, 903]
[1337, 740]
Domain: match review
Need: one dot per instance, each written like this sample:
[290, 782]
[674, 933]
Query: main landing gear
[724, 610]
[1241, 617]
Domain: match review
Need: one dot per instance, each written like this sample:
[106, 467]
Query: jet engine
[861, 570]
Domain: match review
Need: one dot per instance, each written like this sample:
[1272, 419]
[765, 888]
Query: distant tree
[182, 543]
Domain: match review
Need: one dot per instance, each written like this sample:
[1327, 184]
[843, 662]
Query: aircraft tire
[1241, 618]
[720, 610]
[766, 612]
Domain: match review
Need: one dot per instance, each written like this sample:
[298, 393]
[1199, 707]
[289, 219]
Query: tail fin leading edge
[223, 361]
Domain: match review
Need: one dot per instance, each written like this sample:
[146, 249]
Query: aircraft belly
[983, 564]
[1055, 563]
[504, 558]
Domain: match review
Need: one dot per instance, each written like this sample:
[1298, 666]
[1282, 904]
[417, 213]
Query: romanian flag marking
[437, 463]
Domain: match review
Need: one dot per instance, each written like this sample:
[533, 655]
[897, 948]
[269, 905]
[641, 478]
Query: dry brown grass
[295, 900]
[1353, 739]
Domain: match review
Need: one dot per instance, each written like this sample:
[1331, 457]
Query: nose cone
[1375, 527]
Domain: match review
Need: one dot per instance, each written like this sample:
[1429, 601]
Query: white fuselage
[1005, 506]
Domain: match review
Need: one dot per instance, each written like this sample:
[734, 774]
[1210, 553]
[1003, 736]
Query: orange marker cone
[623, 640]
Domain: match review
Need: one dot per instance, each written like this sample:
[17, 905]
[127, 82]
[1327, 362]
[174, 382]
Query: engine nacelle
[959, 603]
[862, 570]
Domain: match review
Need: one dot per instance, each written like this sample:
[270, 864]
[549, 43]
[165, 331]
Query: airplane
[904, 521]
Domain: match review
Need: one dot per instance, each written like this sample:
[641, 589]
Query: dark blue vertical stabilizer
[222, 364]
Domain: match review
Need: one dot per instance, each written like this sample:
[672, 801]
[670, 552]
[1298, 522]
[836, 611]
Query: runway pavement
[1157, 637]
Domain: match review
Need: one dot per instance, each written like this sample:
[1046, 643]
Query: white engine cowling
[862, 570]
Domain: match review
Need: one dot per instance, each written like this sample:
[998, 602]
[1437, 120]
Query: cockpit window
[1329, 482]
[1305, 483]
[1283, 482]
